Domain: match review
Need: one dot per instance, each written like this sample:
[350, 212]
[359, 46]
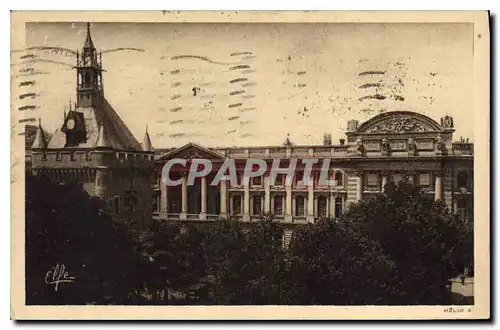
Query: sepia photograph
[267, 159]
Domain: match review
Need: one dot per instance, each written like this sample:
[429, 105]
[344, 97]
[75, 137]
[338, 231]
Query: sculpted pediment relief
[397, 123]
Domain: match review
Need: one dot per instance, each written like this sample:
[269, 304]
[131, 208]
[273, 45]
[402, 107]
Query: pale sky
[256, 83]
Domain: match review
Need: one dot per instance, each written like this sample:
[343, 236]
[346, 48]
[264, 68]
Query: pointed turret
[88, 40]
[146, 142]
[102, 139]
[40, 141]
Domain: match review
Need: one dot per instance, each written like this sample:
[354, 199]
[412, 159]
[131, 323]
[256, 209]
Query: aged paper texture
[250, 165]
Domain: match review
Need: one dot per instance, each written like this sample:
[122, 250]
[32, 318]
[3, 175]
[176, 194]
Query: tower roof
[146, 142]
[40, 140]
[88, 40]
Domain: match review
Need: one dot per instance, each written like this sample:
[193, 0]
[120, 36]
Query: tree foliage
[400, 247]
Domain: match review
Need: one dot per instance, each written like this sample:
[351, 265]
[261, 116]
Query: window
[130, 199]
[299, 176]
[256, 205]
[462, 180]
[73, 155]
[339, 179]
[280, 180]
[116, 204]
[424, 179]
[257, 181]
[322, 204]
[237, 204]
[372, 180]
[278, 205]
[58, 156]
[462, 210]
[338, 207]
[299, 206]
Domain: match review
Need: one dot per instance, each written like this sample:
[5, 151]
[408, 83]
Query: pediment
[192, 151]
[399, 122]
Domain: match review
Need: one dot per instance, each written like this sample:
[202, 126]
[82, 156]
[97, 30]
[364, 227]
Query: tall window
[339, 179]
[462, 210]
[462, 180]
[322, 202]
[299, 206]
[424, 179]
[116, 204]
[278, 205]
[372, 180]
[338, 207]
[236, 204]
[280, 180]
[256, 205]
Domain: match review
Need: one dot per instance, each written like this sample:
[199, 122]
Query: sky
[243, 84]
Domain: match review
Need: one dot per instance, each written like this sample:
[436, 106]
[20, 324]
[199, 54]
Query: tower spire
[146, 142]
[40, 142]
[88, 40]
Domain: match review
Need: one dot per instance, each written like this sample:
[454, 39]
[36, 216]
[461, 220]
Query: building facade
[95, 148]
[390, 147]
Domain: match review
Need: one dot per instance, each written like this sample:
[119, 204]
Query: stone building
[392, 146]
[94, 147]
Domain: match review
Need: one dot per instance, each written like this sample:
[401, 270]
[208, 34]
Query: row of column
[438, 184]
[246, 199]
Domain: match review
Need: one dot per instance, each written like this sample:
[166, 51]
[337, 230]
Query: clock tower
[89, 87]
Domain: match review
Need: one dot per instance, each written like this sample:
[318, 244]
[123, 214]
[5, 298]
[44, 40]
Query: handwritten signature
[57, 275]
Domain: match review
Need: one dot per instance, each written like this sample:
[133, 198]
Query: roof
[119, 136]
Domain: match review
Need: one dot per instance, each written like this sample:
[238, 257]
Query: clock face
[70, 124]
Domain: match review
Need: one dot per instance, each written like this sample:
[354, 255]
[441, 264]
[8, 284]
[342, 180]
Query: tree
[65, 226]
[400, 247]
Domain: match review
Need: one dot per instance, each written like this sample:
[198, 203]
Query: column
[310, 200]
[384, 180]
[163, 197]
[246, 202]
[183, 214]
[288, 203]
[267, 194]
[332, 205]
[223, 198]
[438, 186]
[203, 214]
[359, 186]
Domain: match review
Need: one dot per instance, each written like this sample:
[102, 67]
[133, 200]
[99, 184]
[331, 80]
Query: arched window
[339, 179]
[462, 180]
[338, 207]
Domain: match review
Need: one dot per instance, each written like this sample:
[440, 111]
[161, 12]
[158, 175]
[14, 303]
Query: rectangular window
[237, 204]
[299, 206]
[256, 205]
[424, 179]
[257, 181]
[278, 205]
[280, 180]
[58, 156]
[88, 155]
[130, 199]
[372, 180]
[73, 155]
[322, 202]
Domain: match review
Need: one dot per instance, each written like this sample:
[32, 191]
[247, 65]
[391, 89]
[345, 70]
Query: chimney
[342, 141]
[327, 139]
